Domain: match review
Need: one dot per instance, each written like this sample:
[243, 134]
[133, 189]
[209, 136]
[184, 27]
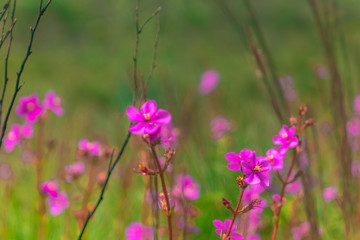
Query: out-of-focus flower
[286, 139]
[101, 178]
[93, 148]
[51, 188]
[236, 159]
[16, 134]
[293, 188]
[275, 158]
[190, 228]
[167, 135]
[58, 204]
[148, 119]
[300, 231]
[208, 82]
[355, 168]
[137, 231]
[357, 103]
[53, 102]
[254, 236]
[252, 192]
[186, 186]
[330, 193]
[321, 71]
[352, 127]
[256, 171]
[223, 227]
[29, 107]
[220, 126]
[6, 172]
[163, 162]
[287, 85]
[74, 170]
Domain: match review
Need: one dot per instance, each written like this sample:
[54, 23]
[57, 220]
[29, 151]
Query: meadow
[230, 73]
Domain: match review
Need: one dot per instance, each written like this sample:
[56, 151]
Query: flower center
[147, 116]
[30, 107]
[11, 136]
[89, 145]
[257, 168]
[285, 135]
[270, 157]
[52, 186]
[57, 101]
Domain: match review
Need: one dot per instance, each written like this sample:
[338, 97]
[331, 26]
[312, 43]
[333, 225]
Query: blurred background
[83, 50]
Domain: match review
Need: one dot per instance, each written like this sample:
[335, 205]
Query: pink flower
[219, 126]
[29, 108]
[357, 103]
[58, 204]
[50, 188]
[187, 186]
[293, 188]
[223, 227]
[300, 231]
[92, 148]
[330, 193]
[275, 158]
[286, 139]
[287, 85]
[167, 135]
[74, 170]
[137, 231]
[355, 168]
[254, 236]
[252, 192]
[148, 119]
[352, 127]
[256, 171]
[16, 134]
[53, 102]
[236, 159]
[209, 81]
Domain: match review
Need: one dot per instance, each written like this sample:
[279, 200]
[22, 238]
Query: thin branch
[101, 197]
[149, 18]
[19, 73]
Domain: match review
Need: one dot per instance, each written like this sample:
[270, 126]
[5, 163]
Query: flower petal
[278, 140]
[138, 128]
[134, 115]
[150, 129]
[252, 179]
[219, 224]
[234, 166]
[233, 157]
[149, 107]
[161, 117]
[293, 142]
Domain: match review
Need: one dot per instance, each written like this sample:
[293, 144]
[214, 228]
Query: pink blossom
[74, 170]
[167, 135]
[357, 103]
[293, 188]
[286, 139]
[355, 168]
[330, 193]
[219, 126]
[92, 148]
[222, 228]
[208, 82]
[300, 231]
[236, 159]
[287, 85]
[254, 236]
[51, 188]
[29, 107]
[186, 186]
[256, 171]
[53, 102]
[148, 119]
[138, 231]
[275, 158]
[352, 127]
[252, 192]
[322, 71]
[58, 204]
[16, 134]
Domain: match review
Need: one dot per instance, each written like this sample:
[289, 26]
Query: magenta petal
[246, 154]
[234, 166]
[149, 107]
[236, 236]
[277, 140]
[291, 131]
[218, 224]
[151, 129]
[218, 231]
[247, 169]
[227, 223]
[138, 128]
[283, 149]
[233, 157]
[252, 179]
[293, 142]
[264, 178]
[161, 117]
[134, 115]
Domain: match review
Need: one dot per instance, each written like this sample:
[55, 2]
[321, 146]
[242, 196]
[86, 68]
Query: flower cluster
[31, 109]
[57, 201]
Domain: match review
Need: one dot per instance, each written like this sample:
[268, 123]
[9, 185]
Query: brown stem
[236, 212]
[163, 185]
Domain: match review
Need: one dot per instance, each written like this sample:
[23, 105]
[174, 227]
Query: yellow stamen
[257, 168]
[270, 157]
[147, 116]
[285, 135]
[239, 178]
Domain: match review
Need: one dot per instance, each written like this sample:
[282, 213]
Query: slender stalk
[164, 189]
[235, 213]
